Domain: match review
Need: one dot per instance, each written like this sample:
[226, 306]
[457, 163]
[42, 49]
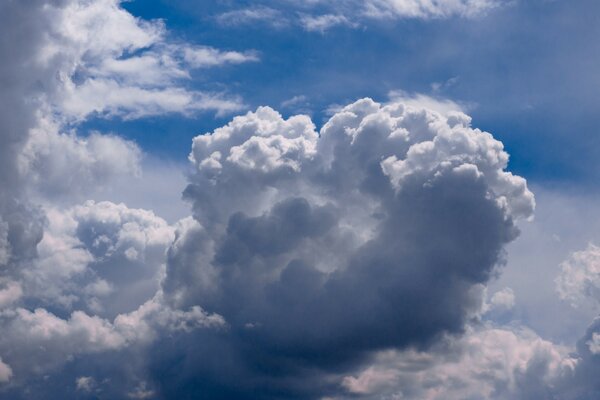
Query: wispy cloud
[321, 23]
[252, 16]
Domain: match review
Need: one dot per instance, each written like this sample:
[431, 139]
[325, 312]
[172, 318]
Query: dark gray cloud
[321, 249]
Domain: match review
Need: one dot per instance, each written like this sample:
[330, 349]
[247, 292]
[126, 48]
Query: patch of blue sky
[527, 72]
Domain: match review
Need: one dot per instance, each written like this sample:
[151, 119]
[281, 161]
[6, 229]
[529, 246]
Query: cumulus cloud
[486, 363]
[351, 261]
[101, 257]
[504, 298]
[110, 62]
[64, 164]
[39, 341]
[579, 281]
[577, 284]
[93, 58]
[321, 249]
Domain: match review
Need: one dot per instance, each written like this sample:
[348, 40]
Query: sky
[282, 199]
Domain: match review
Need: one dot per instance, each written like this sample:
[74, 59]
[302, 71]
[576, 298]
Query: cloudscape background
[376, 199]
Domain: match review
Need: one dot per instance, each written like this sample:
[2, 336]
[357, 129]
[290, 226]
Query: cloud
[322, 23]
[486, 363]
[579, 280]
[307, 253]
[504, 298]
[134, 73]
[441, 105]
[40, 341]
[85, 383]
[253, 15]
[427, 9]
[93, 290]
[103, 258]
[66, 165]
[320, 16]
[322, 249]
[5, 372]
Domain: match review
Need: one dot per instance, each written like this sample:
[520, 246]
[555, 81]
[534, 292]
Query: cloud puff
[253, 15]
[111, 63]
[579, 281]
[321, 23]
[60, 165]
[101, 257]
[92, 292]
[51, 45]
[5, 372]
[320, 249]
[486, 363]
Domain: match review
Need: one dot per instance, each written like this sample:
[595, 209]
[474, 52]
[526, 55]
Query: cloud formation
[486, 363]
[320, 16]
[111, 63]
[348, 262]
[320, 249]
[57, 266]
[579, 280]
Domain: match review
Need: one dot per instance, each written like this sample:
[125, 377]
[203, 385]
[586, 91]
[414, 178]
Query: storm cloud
[321, 248]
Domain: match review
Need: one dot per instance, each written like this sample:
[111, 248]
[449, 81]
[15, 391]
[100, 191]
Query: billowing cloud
[98, 269]
[352, 261]
[64, 164]
[110, 62]
[99, 257]
[579, 280]
[320, 249]
[486, 363]
[93, 58]
[57, 266]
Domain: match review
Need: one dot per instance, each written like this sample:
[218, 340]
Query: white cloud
[85, 383]
[579, 280]
[320, 15]
[65, 165]
[201, 57]
[504, 298]
[322, 23]
[103, 257]
[141, 392]
[427, 9]
[40, 341]
[111, 63]
[5, 372]
[486, 363]
[253, 15]
[441, 105]
[594, 343]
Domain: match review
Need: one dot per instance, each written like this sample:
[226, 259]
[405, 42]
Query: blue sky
[315, 200]
[526, 72]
